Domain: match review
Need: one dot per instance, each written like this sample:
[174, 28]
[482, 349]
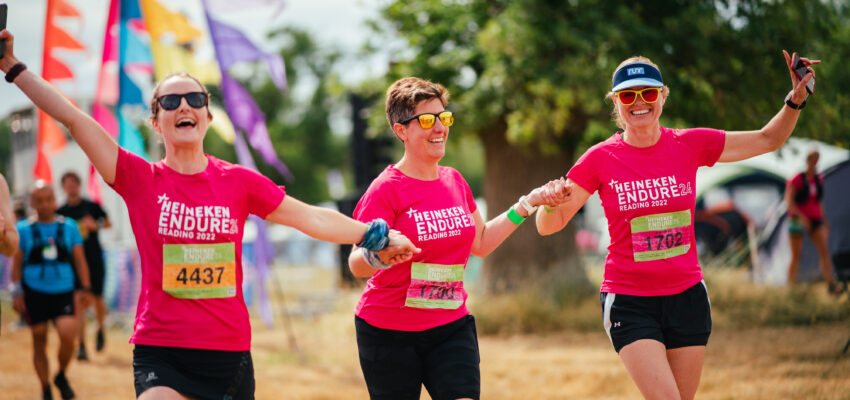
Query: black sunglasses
[170, 102]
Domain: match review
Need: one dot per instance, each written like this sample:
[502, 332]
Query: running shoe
[99, 342]
[64, 388]
[46, 393]
[82, 355]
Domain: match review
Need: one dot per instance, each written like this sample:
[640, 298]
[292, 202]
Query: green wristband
[514, 217]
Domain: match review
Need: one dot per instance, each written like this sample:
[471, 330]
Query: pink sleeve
[376, 203]
[706, 144]
[467, 192]
[131, 174]
[265, 196]
[585, 172]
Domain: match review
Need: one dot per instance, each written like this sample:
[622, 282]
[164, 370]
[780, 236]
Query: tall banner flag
[135, 72]
[106, 94]
[232, 47]
[51, 138]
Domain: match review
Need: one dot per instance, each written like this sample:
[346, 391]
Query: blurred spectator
[803, 195]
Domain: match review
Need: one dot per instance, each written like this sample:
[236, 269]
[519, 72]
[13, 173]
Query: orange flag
[51, 138]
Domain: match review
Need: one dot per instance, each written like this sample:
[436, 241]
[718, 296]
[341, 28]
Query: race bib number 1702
[660, 236]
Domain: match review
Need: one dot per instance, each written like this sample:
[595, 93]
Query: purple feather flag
[232, 47]
[246, 115]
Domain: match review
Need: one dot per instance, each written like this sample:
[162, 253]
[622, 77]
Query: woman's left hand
[798, 93]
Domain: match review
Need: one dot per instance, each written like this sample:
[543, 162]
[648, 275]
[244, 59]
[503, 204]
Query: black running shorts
[678, 320]
[396, 364]
[195, 373]
[43, 307]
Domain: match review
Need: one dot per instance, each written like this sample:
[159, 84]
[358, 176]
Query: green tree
[529, 79]
[298, 119]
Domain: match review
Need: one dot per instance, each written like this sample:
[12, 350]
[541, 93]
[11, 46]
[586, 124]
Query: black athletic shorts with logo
[678, 320]
[43, 307]
[195, 373]
[396, 364]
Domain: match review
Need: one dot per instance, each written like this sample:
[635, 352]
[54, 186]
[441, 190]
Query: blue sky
[337, 23]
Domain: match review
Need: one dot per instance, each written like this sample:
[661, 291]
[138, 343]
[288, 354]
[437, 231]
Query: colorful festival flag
[106, 94]
[135, 72]
[51, 138]
[233, 47]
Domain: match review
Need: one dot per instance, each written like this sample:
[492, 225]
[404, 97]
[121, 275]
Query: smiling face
[185, 125]
[640, 114]
[424, 144]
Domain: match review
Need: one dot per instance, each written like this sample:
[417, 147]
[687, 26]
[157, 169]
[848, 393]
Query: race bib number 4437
[199, 271]
[660, 236]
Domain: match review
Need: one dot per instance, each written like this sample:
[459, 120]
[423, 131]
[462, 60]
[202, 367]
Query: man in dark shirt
[90, 219]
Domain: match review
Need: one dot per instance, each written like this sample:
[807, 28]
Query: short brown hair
[70, 175]
[406, 93]
[155, 96]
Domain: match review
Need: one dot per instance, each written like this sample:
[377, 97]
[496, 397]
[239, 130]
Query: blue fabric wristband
[374, 261]
[375, 238]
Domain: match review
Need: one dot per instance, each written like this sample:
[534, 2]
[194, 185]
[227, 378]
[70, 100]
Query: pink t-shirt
[648, 197]
[188, 230]
[811, 207]
[426, 291]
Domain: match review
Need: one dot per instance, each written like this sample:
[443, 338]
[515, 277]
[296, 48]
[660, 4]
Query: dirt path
[759, 363]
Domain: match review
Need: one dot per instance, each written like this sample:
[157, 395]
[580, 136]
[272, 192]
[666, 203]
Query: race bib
[660, 236]
[435, 286]
[49, 252]
[199, 271]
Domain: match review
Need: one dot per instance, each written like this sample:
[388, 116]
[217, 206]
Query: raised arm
[741, 145]
[551, 220]
[100, 148]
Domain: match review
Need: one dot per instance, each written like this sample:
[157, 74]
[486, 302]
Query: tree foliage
[533, 75]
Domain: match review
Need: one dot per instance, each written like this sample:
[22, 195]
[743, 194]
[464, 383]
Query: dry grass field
[759, 360]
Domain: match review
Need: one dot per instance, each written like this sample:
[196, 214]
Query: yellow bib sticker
[199, 271]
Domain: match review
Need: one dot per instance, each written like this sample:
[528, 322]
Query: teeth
[436, 141]
[185, 122]
[641, 112]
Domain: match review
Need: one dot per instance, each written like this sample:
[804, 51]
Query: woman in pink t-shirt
[655, 305]
[192, 333]
[803, 195]
[412, 324]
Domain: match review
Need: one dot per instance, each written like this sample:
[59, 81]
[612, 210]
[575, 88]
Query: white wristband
[523, 201]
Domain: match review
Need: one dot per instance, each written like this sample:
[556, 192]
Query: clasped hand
[551, 194]
[399, 250]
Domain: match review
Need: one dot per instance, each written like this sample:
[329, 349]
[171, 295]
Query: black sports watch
[791, 103]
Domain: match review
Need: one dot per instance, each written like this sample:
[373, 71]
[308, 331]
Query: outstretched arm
[331, 226]
[489, 235]
[741, 145]
[554, 219]
[89, 135]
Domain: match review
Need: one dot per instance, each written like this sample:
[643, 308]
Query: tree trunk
[526, 260]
